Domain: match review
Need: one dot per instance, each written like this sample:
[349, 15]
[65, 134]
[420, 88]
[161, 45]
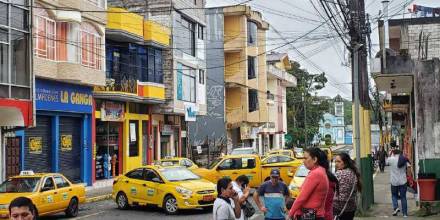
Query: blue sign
[58, 96]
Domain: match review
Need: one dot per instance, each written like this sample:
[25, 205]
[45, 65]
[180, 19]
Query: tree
[300, 99]
[378, 111]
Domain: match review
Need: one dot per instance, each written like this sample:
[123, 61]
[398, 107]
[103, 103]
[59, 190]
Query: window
[195, 2]
[252, 67]
[48, 184]
[45, 39]
[150, 175]
[133, 139]
[186, 83]
[284, 159]
[338, 110]
[201, 76]
[237, 163]
[61, 182]
[252, 33]
[20, 58]
[187, 163]
[200, 32]
[154, 66]
[253, 100]
[99, 3]
[188, 37]
[136, 174]
[91, 47]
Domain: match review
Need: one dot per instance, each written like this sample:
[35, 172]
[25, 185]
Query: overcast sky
[294, 18]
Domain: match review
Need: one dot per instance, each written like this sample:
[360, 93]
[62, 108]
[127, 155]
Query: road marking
[90, 215]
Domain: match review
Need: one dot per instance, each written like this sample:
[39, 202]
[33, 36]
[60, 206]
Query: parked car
[50, 192]
[170, 188]
[253, 166]
[297, 181]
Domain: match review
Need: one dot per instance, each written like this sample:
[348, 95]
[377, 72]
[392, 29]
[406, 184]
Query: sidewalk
[101, 190]
[382, 198]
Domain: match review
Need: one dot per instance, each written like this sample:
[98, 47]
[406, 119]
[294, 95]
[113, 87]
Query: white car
[243, 150]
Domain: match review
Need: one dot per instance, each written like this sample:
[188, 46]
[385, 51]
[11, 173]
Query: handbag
[346, 203]
[248, 209]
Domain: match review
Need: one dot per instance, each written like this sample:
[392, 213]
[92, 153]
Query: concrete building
[245, 76]
[272, 133]
[68, 60]
[134, 86]
[184, 68]
[16, 85]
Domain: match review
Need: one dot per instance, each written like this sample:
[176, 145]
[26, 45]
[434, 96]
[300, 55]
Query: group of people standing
[323, 195]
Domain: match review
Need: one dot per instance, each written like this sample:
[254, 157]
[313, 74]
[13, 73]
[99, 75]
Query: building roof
[275, 56]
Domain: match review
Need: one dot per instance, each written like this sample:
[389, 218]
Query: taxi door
[249, 168]
[229, 167]
[152, 191]
[47, 198]
[64, 191]
[135, 185]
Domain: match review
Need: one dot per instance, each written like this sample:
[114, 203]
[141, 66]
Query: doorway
[12, 156]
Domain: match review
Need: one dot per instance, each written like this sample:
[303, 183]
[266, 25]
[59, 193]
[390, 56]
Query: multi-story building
[278, 79]
[16, 83]
[68, 60]
[245, 75]
[184, 68]
[134, 85]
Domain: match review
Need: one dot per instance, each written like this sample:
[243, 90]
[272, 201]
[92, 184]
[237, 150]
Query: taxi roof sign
[27, 173]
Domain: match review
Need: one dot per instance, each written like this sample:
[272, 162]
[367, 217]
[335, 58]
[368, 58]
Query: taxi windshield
[179, 174]
[302, 171]
[214, 163]
[20, 185]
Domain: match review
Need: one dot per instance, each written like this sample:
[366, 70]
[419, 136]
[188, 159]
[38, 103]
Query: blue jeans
[399, 192]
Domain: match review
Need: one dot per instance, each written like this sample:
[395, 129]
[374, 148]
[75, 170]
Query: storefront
[121, 138]
[63, 131]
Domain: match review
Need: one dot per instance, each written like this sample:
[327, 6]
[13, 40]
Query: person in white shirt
[241, 186]
[398, 164]
[226, 206]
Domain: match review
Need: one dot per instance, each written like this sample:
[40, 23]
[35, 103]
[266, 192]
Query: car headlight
[4, 206]
[183, 191]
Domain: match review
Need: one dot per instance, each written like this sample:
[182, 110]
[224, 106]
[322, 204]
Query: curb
[98, 198]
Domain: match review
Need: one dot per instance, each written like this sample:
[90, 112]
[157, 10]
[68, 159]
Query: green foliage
[300, 99]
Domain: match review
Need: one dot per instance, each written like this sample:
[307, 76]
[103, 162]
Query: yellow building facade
[245, 75]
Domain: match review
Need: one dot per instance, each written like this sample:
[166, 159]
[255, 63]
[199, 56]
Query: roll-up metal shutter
[70, 158]
[38, 159]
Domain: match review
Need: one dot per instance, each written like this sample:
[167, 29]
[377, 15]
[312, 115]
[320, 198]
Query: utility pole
[357, 133]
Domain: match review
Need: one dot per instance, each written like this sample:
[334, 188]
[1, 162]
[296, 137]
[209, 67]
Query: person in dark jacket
[382, 156]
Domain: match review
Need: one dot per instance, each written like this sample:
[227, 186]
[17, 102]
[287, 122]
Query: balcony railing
[288, 79]
[123, 85]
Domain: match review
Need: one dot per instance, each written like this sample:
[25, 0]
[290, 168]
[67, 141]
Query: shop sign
[245, 132]
[112, 111]
[66, 142]
[35, 145]
[190, 112]
[58, 96]
[133, 133]
[167, 130]
[254, 132]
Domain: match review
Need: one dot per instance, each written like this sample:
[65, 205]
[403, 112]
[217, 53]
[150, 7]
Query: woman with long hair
[311, 199]
[333, 187]
[344, 204]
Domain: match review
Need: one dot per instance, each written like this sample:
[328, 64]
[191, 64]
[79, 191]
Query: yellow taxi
[286, 152]
[297, 181]
[286, 164]
[329, 153]
[176, 161]
[170, 188]
[50, 192]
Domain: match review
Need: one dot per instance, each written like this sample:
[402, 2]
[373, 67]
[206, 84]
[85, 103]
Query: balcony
[130, 89]
[235, 71]
[288, 80]
[156, 34]
[234, 117]
[124, 26]
[398, 75]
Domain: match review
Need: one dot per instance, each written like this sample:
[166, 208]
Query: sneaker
[405, 216]
[396, 211]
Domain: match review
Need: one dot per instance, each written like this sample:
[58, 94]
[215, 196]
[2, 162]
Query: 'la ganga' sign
[58, 96]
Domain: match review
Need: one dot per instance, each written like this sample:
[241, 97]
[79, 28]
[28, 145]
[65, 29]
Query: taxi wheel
[122, 201]
[72, 209]
[170, 205]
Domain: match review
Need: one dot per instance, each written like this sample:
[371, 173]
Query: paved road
[107, 210]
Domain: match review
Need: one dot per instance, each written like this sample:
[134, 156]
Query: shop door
[144, 142]
[12, 156]
[70, 148]
[37, 146]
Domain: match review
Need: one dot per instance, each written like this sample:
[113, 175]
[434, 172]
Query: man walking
[275, 194]
[398, 181]
[382, 156]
